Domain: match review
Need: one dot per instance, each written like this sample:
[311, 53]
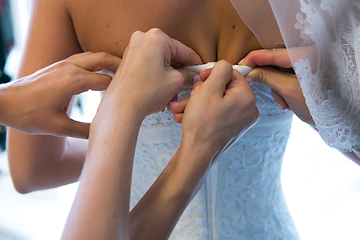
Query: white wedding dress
[242, 197]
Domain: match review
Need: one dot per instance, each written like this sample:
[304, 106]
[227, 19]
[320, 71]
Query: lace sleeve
[332, 91]
[323, 40]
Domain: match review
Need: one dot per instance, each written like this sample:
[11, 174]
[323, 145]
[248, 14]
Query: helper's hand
[285, 86]
[146, 80]
[219, 110]
[38, 103]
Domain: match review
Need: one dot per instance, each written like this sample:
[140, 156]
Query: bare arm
[101, 207]
[219, 111]
[38, 162]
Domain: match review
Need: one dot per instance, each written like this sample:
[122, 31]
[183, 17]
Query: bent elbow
[21, 188]
[25, 178]
[23, 184]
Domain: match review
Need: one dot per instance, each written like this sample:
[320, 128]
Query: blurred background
[322, 187]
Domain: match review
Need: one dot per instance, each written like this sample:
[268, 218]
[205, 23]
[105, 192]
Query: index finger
[275, 57]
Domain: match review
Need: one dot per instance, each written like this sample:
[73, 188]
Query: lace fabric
[242, 197]
[332, 93]
[327, 32]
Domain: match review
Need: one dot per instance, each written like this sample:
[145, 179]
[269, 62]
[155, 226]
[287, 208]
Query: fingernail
[249, 80]
[192, 92]
[196, 79]
[242, 60]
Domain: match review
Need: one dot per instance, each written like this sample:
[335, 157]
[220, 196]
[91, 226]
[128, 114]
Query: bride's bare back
[211, 27]
[61, 28]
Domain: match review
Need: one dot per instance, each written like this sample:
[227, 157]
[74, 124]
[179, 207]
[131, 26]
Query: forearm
[38, 162]
[5, 99]
[157, 213]
[41, 162]
[101, 206]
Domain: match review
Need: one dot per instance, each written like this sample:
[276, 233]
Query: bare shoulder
[50, 36]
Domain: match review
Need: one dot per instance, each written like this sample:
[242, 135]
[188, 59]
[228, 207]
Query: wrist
[190, 167]
[117, 107]
[200, 147]
[114, 125]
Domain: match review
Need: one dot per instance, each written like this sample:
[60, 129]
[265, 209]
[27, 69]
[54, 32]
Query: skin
[285, 86]
[61, 28]
[54, 87]
[101, 207]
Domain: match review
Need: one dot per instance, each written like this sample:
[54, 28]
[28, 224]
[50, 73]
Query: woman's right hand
[146, 79]
[220, 109]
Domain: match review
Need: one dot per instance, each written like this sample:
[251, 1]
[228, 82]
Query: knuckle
[72, 74]
[102, 57]
[179, 77]
[136, 35]
[156, 36]
[155, 31]
[262, 76]
[252, 54]
[224, 63]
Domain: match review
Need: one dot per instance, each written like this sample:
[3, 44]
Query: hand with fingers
[274, 68]
[147, 78]
[144, 83]
[38, 103]
[220, 109]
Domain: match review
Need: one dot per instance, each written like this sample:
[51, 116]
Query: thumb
[278, 81]
[276, 57]
[91, 81]
[275, 79]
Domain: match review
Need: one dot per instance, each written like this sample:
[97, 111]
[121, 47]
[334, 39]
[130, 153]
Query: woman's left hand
[285, 86]
[146, 79]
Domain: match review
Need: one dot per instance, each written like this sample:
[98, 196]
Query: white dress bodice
[242, 197]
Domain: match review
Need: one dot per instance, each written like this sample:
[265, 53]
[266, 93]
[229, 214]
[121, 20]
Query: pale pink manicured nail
[196, 79]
